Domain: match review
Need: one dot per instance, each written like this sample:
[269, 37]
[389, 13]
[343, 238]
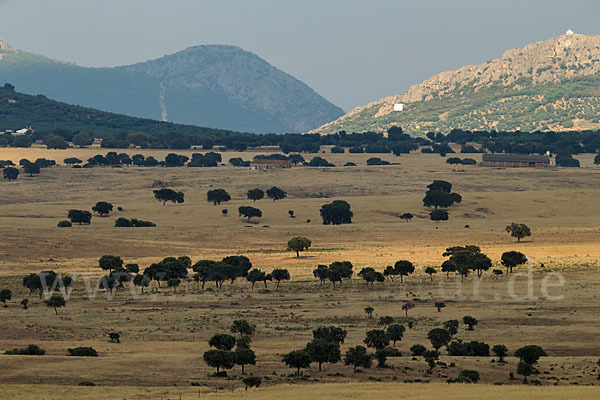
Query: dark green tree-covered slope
[215, 85]
[549, 85]
[19, 110]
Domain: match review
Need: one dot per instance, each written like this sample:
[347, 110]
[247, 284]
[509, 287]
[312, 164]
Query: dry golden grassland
[164, 335]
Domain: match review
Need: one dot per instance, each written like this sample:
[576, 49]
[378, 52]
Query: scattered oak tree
[297, 359]
[249, 212]
[217, 196]
[518, 231]
[102, 208]
[255, 194]
[276, 194]
[80, 216]
[336, 213]
[358, 357]
[298, 244]
[165, 195]
[56, 301]
[10, 173]
[280, 274]
[512, 259]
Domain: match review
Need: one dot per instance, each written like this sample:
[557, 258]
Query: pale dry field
[165, 335]
[329, 391]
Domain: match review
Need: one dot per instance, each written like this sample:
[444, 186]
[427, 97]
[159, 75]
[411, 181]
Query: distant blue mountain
[217, 86]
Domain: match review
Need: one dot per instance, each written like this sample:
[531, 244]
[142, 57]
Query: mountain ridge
[222, 86]
[544, 66]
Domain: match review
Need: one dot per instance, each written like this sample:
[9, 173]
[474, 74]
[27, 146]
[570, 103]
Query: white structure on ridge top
[399, 107]
[570, 32]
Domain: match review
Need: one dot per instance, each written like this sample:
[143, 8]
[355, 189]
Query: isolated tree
[439, 337]
[25, 304]
[249, 212]
[406, 217]
[470, 322]
[297, 359]
[255, 194]
[431, 357]
[438, 215]
[256, 275]
[497, 273]
[439, 305]
[330, 334]
[243, 327]
[439, 199]
[276, 194]
[291, 213]
[132, 268]
[141, 281]
[10, 173]
[417, 350]
[511, 259]
[447, 267]
[217, 196]
[468, 376]
[440, 185]
[5, 295]
[298, 244]
[396, 333]
[377, 339]
[102, 208]
[280, 274]
[165, 195]
[525, 369]
[390, 272]
[108, 262]
[406, 307]
[430, 271]
[358, 357]
[321, 272]
[339, 270]
[219, 359]
[323, 351]
[244, 357]
[371, 276]
[385, 320]
[500, 351]
[56, 301]
[369, 311]
[80, 216]
[518, 231]
[404, 268]
[72, 161]
[114, 337]
[252, 381]
[336, 213]
[451, 326]
[530, 354]
[31, 168]
[173, 282]
[222, 341]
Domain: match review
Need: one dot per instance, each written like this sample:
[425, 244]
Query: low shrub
[83, 352]
[133, 223]
[31, 350]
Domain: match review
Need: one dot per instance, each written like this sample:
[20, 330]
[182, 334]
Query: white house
[399, 107]
[570, 32]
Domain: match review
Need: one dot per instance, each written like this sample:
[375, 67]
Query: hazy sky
[350, 51]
